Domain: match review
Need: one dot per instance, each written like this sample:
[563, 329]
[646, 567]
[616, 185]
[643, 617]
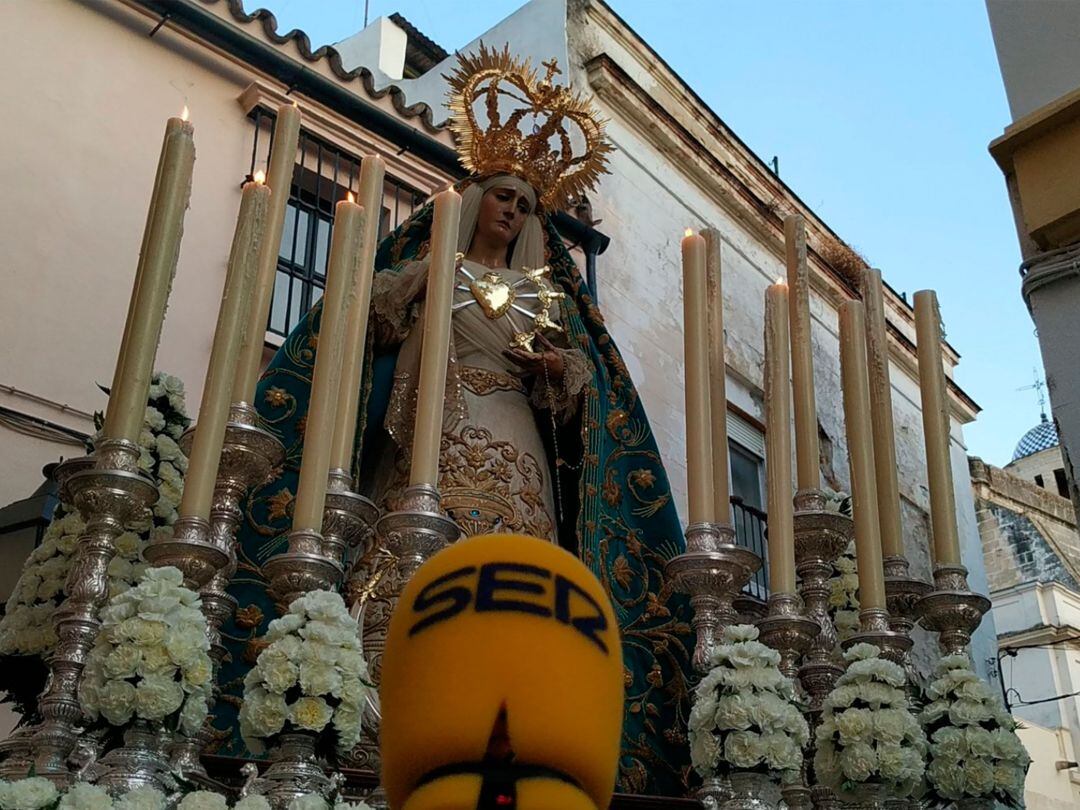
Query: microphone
[502, 682]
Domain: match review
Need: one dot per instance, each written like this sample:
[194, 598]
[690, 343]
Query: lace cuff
[393, 302]
[564, 396]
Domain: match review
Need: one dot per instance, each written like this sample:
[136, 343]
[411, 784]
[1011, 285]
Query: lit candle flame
[350, 197]
[260, 177]
[689, 232]
[184, 114]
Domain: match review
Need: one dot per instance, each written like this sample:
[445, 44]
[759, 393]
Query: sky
[880, 112]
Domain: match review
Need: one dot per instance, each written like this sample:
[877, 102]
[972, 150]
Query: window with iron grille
[323, 175]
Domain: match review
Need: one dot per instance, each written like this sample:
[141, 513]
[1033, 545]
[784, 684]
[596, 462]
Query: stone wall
[1028, 533]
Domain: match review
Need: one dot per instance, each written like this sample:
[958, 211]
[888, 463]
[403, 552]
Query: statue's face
[502, 214]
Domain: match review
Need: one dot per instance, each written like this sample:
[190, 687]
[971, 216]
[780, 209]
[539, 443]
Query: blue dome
[1041, 437]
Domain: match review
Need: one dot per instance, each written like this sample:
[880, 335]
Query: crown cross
[552, 66]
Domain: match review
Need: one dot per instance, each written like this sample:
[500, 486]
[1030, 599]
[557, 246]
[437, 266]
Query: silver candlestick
[791, 634]
[902, 594]
[713, 571]
[951, 609]
[821, 536]
[303, 568]
[405, 539]
[249, 456]
[348, 519]
[874, 629]
[111, 497]
[788, 631]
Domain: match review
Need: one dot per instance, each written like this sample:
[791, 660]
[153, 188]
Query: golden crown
[558, 174]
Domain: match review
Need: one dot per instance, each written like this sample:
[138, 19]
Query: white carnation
[309, 801]
[32, 793]
[203, 800]
[84, 796]
[144, 798]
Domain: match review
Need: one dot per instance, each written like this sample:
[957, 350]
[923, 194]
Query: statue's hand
[533, 363]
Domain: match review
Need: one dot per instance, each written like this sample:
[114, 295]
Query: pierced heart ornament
[493, 294]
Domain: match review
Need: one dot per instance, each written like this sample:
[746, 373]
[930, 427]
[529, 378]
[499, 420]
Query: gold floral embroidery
[276, 397]
[248, 617]
[482, 381]
[615, 420]
[642, 478]
[612, 490]
[486, 485]
[621, 571]
[476, 465]
[279, 504]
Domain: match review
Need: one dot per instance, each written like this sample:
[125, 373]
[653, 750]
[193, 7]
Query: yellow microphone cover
[501, 627]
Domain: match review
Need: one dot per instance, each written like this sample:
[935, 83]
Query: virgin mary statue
[543, 434]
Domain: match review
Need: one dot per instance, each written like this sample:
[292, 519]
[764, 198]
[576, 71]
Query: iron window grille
[323, 175]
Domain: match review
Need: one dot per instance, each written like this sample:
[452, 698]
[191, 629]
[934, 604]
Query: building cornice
[251, 43]
[750, 197]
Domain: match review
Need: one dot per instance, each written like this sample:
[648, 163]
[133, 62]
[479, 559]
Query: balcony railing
[749, 524]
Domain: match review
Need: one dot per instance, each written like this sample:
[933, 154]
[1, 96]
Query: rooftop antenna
[367, 4]
[1039, 386]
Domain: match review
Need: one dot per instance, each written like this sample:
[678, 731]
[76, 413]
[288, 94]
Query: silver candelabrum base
[788, 631]
[111, 496]
[952, 609]
[305, 567]
[140, 762]
[348, 520]
[295, 770]
[249, 456]
[712, 571]
[874, 629]
[821, 535]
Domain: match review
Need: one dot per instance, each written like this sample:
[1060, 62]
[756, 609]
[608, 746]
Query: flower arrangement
[843, 594]
[867, 734]
[27, 625]
[974, 749]
[150, 660]
[744, 715]
[27, 631]
[311, 677]
[38, 793]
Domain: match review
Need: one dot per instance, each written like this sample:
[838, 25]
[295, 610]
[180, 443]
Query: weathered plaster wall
[646, 203]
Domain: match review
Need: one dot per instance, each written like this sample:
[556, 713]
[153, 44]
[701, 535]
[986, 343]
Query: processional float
[339, 537]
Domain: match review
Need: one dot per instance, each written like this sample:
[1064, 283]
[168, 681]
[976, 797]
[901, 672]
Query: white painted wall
[1051, 729]
[1046, 787]
[1036, 49]
[79, 167]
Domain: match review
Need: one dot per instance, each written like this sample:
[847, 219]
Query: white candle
[778, 440]
[372, 172]
[699, 471]
[342, 270]
[217, 388]
[431, 393]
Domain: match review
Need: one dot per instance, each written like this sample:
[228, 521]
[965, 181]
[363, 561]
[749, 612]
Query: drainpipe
[590, 240]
